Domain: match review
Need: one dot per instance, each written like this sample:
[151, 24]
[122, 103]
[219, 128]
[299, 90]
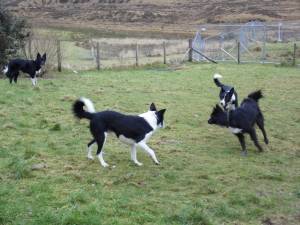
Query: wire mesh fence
[255, 42]
[106, 52]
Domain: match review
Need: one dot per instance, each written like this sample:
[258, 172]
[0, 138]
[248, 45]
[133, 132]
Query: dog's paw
[244, 153]
[90, 157]
[157, 163]
[266, 141]
[105, 165]
[138, 163]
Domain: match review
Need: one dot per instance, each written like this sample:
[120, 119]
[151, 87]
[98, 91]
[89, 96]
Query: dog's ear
[161, 112]
[38, 56]
[44, 57]
[152, 107]
[217, 109]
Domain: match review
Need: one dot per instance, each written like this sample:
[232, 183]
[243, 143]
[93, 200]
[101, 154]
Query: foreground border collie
[242, 119]
[132, 130]
[31, 67]
[228, 103]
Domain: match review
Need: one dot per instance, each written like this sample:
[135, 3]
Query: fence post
[294, 54]
[165, 54]
[29, 48]
[137, 55]
[58, 55]
[239, 52]
[190, 50]
[98, 56]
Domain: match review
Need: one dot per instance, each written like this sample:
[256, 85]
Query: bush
[13, 34]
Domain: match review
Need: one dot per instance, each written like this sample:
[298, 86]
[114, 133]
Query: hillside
[179, 16]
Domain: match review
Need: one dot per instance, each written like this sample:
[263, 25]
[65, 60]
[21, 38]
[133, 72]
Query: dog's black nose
[209, 121]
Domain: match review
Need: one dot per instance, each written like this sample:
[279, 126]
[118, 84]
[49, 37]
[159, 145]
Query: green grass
[202, 178]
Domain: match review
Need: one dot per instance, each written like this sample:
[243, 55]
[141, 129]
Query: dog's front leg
[90, 149]
[133, 155]
[242, 142]
[147, 149]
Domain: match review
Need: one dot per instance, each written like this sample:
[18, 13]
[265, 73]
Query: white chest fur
[235, 130]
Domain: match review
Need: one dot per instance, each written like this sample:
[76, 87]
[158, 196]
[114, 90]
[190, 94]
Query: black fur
[26, 66]
[244, 118]
[131, 127]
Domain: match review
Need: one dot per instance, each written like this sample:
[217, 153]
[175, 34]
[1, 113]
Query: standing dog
[31, 67]
[227, 102]
[242, 119]
[132, 130]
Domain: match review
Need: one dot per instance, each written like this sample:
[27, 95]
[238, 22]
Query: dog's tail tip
[217, 76]
[256, 95]
[79, 111]
[88, 103]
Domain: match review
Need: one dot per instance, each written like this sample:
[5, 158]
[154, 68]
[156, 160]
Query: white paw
[138, 163]
[90, 157]
[105, 165]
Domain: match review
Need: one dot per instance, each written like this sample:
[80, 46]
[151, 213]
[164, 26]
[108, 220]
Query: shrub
[13, 34]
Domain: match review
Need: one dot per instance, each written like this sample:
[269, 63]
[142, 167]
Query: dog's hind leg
[254, 139]
[90, 149]
[16, 77]
[133, 155]
[242, 142]
[100, 139]
[144, 146]
[260, 124]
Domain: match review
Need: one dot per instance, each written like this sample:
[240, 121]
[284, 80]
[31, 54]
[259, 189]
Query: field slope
[168, 16]
[202, 178]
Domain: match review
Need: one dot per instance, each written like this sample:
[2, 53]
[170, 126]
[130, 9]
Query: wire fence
[106, 52]
[254, 42]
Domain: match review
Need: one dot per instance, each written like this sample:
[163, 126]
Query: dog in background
[31, 67]
[132, 130]
[242, 119]
[227, 102]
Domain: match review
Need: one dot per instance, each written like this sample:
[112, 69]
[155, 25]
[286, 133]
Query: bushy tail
[80, 112]
[216, 79]
[256, 95]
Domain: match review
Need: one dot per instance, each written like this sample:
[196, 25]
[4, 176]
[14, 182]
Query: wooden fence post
[165, 53]
[137, 55]
[190, 50]
[98, 56]
[30, 48]
[239, 52]
[294, 54]
[58, 56]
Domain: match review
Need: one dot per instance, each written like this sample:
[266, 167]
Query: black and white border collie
[132, 130]
[228, 103]
[242, 119]
[31, 67]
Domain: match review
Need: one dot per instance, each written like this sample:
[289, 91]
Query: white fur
[217, 76]
[235, 130]
[100, 156]
[151, 119]
[5, 70]
[34, 81]
[147, 149]
[133, 155]
[88, 104]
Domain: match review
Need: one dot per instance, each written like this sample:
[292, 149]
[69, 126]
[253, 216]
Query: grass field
[202, 178]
